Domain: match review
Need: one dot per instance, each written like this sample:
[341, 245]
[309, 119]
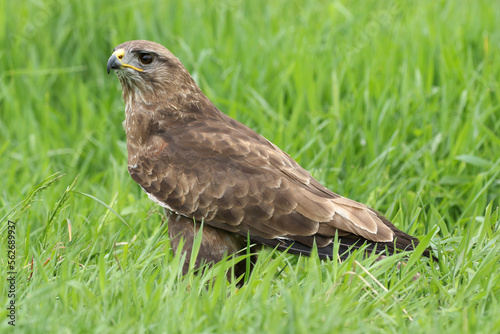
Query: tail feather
[346, 246]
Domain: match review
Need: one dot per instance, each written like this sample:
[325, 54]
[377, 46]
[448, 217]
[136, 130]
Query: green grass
[394, 104]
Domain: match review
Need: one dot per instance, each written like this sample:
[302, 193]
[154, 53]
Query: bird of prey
[202, 166]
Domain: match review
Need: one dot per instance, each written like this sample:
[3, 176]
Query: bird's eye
[145, 58]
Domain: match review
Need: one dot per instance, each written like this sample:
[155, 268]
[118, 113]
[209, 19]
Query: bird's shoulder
[221, 144]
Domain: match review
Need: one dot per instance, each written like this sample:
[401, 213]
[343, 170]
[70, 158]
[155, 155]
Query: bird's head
[149, 72]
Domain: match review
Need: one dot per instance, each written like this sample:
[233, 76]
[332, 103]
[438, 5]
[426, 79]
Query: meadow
[392, 103]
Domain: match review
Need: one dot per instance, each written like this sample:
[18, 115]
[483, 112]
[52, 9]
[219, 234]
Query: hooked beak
[115, 61]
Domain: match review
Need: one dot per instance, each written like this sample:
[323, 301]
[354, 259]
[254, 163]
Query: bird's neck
[183, 102]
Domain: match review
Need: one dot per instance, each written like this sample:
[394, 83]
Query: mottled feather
[200, 164]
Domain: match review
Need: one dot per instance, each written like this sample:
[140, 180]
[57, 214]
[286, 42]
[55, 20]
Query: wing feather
[228, 175]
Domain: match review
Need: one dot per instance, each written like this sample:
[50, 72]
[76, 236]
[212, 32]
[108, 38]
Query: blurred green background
[391, 103]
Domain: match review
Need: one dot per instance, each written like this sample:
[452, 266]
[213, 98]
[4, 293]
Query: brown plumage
[201, 165]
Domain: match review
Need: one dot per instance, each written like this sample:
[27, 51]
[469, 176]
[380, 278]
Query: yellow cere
[120, 53]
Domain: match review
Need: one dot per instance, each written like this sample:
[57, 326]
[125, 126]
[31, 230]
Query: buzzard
[202, 166]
